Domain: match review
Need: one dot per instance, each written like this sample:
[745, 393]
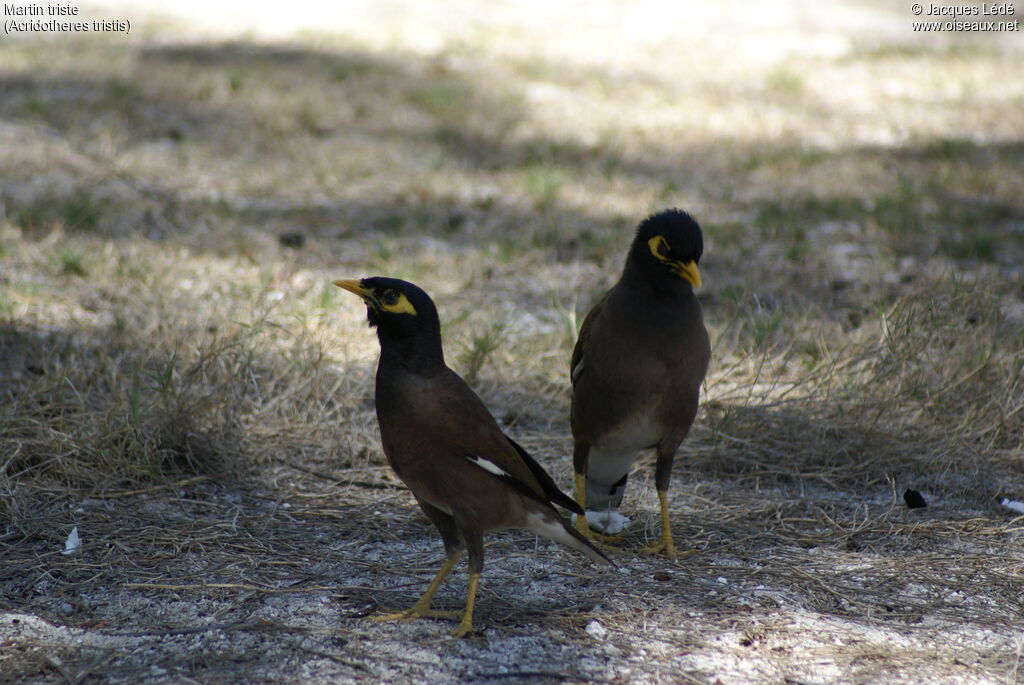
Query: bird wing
[481, 441]
[475, 436]
[440, 420]
[577, 364]
[551, 490]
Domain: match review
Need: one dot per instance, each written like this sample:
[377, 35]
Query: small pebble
[595, 629]
[914, 499]
[293, 239]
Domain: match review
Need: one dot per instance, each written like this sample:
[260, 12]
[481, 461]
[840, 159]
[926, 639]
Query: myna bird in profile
[466, 474]
[637, 367]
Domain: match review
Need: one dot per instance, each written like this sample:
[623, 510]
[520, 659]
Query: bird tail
[550, 525]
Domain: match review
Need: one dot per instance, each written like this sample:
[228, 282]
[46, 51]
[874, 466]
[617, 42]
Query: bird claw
[464, 628]
[660, 546]
[592, 535]
[414, 613]
[667, 547]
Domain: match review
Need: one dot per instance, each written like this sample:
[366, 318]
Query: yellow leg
[422, 606]
[581, 490]
[581, 499]
[582, 526]
[466, 624]
[665, 543]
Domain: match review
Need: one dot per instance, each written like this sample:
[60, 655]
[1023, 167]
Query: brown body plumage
[637, 367]
[466, 474]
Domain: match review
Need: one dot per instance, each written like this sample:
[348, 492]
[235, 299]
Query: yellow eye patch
[686, 270]
[396, 303]
[659, 247]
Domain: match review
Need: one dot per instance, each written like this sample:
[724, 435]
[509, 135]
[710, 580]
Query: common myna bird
[466, 474]
[637, 367]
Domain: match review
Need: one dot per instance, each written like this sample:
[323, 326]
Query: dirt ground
[180, 384]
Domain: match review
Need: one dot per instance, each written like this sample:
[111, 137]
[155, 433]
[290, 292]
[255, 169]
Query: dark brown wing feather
[441, 420]
[551, 491]
[480, 436]
[581, 341]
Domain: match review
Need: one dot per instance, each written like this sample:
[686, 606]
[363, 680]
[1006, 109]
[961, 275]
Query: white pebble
[1012, 505]
[596, 630]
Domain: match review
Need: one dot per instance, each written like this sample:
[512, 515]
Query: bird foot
[661, 547]
[666, 546]
[464, 628]
[605, 539]
[595, 537]
[414, 613]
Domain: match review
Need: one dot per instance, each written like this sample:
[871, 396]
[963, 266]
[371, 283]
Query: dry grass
[179, 380]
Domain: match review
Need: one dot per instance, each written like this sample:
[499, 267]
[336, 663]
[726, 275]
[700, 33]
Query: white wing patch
[577, 370]
[489, 465]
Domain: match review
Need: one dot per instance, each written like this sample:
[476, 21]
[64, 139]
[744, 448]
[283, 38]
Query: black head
[666, 250]
[405, 317]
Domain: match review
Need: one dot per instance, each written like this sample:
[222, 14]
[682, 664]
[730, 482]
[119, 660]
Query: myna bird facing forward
[637, 367]
[467, 476]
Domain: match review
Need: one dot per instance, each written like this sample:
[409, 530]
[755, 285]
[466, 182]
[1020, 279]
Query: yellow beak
[689, 272]
[355, 286]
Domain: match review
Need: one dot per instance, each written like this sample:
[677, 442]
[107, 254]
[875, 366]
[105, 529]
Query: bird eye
[659, 247]
[389, 298]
